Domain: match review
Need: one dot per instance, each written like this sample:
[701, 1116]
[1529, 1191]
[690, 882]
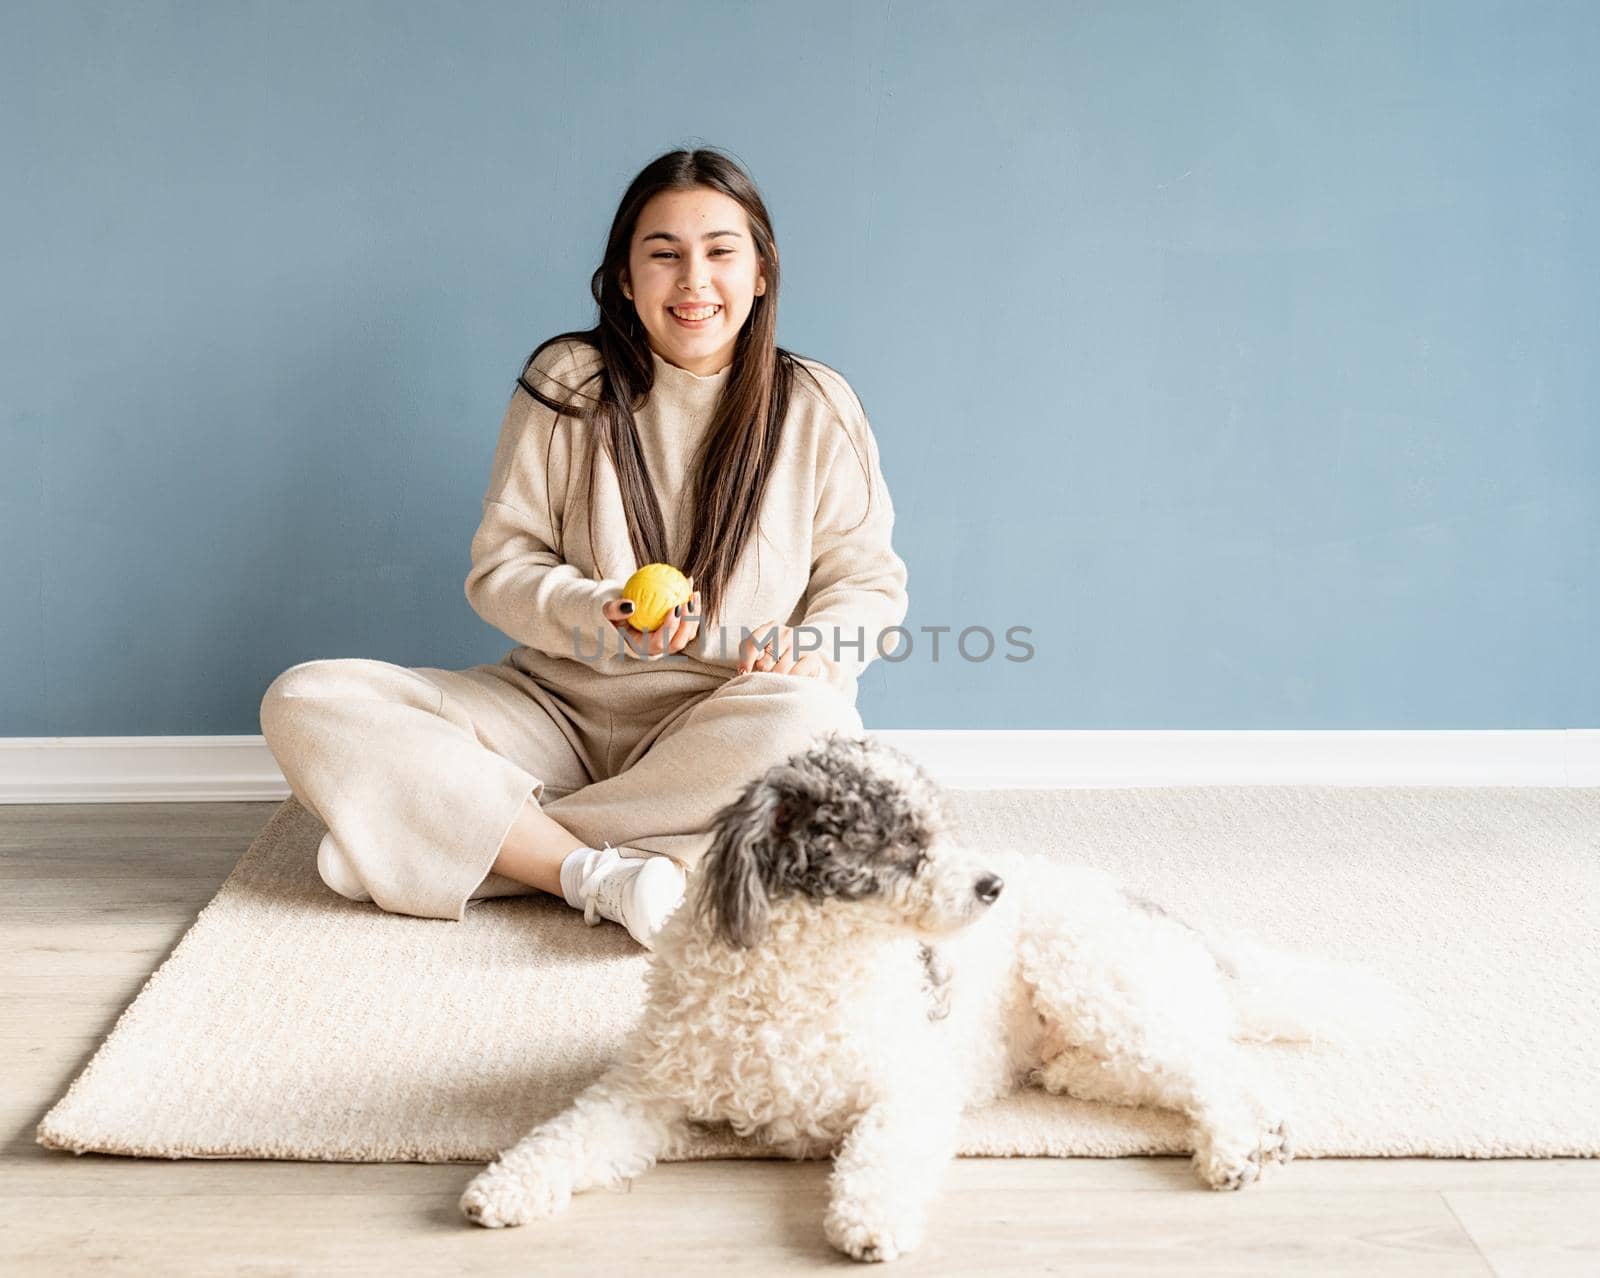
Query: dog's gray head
[848, 823]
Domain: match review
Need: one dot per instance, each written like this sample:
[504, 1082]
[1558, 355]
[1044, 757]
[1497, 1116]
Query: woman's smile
[703, 319]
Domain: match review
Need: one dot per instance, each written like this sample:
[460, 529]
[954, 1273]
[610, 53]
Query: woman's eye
[714, 252]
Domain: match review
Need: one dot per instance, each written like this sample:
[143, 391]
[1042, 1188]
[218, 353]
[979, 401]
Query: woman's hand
[771, 647]
[675, 633]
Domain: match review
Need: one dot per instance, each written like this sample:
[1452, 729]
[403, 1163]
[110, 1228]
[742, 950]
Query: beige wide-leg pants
[420, 772]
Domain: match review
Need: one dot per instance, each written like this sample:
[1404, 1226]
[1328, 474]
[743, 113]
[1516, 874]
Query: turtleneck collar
[686, 387]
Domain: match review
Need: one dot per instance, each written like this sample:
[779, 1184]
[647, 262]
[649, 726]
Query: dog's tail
[1280, 996]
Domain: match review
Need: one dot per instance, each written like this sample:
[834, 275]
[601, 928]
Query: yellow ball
[656, 589]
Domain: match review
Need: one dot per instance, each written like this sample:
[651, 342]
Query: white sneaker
[638, 893]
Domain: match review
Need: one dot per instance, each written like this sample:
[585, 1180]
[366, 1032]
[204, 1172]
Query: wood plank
[1529, 1234]
[765, 1224]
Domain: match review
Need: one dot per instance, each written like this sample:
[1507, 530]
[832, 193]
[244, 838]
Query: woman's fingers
[687, 629]
[672, 631]
[770, 646]
[800, 663]
[747, 649]
[644, 645]
[774, 652]
[675, 633]
[688, 625]
[769, 642]
[784, 662]
[809, 665]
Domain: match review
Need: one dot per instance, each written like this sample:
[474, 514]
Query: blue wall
[1246, 352]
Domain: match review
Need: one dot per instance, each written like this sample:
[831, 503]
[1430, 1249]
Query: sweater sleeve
[857, 588]
[517, 582]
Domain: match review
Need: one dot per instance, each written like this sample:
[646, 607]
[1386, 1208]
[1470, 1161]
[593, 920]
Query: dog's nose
[988, 887]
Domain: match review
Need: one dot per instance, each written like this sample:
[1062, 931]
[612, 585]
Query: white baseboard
[223, 769]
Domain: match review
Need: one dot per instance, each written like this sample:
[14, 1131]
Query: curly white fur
[847, 978]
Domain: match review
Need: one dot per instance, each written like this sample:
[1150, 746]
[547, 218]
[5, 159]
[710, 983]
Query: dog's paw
[1224, 1161]
[1280, 1147]
[497, 1198]
[859, 1235]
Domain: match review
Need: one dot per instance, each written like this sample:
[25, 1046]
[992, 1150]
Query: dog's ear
[737, 870]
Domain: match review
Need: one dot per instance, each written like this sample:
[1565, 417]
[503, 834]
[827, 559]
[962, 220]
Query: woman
[589, 762]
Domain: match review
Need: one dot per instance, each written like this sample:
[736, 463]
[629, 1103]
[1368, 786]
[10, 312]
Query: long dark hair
[737, 458]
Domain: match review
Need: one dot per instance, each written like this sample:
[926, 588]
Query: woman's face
[693, 246]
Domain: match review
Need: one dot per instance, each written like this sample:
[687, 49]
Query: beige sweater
[809, 564]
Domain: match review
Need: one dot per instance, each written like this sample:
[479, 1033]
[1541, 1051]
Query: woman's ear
[736, 870]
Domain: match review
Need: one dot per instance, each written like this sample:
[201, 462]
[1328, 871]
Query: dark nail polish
[678, 611]
[627, 606]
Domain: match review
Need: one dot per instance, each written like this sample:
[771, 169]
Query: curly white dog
[845, 978]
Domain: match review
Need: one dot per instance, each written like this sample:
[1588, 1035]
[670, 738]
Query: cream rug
[292, 1023]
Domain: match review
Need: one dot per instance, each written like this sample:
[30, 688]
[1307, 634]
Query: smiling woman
[675, 431]
[692, 232]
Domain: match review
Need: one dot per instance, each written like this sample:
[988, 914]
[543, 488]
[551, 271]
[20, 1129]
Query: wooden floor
[93, 898]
